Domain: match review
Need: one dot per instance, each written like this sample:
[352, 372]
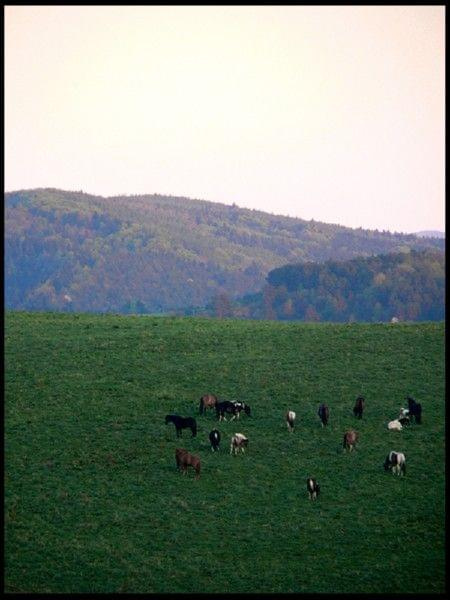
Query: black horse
[359, 407]
[182, 423]
[415, 409]
[324, 414]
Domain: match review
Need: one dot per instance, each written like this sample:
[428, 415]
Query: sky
[331, 113]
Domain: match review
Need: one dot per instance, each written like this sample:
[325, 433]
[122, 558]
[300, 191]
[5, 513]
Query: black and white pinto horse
[182, 423]
[313, 488]
[324, 414]
[396, 462]
[415, 409]
[233, 408]
[214, 438]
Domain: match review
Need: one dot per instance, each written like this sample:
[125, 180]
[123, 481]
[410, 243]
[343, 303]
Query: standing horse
[207, 401]
[313, 488]
[182, 423]
[395, 461]
[214, 438]
[238, 442]
[415, 410]
[359, 407]
[324, 414]
[185, 459]
[290, 420]
[350, 439]
[233, 408]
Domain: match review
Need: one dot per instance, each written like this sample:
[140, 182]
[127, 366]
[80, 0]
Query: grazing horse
[395, 425]
[214, 438]
[185, 459]
[225, 407]
[238, 442]
[324, 414]
[359, 407]
[395, 461]
[182, 423]
[313, 488]
[415, 410]
[241, 406]
[290, 420]
[350, 439]
[207, 401]
[233, 408]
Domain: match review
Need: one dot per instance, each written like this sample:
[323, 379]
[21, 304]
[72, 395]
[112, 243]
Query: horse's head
[168, 419]
[247, 409]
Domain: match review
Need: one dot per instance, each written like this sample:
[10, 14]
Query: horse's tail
[201, 408]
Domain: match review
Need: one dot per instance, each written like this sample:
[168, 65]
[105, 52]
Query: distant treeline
[406, 285]
[72, 251]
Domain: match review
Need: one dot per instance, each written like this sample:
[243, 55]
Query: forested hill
[75, 251]
[407, 285]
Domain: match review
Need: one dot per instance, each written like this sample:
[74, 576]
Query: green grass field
[93, 500]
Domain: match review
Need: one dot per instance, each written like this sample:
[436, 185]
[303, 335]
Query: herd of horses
[395, 461]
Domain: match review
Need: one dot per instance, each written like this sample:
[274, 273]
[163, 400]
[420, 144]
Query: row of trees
[406, 285]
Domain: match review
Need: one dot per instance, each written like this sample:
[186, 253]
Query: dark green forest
[72, 251]
[409, 286]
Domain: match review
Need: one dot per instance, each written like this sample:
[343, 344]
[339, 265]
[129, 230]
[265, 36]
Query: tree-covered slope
[407, 285]
[75, 251]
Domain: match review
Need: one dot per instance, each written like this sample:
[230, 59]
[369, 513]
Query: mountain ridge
[156, 253]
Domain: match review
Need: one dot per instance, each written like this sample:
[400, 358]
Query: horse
[233, 408]
[238, 442]
[182, 423]
[324, 414]
[207, 401]
[395, 461]
[395, 425]
[185, 459]
[313, 488]
[242, 406]
[290, 420]
[350, 439]
[214, 438]
[359, 407]
[415, 410]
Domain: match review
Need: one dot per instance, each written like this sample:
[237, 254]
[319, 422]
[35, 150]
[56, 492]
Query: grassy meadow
[93, 500]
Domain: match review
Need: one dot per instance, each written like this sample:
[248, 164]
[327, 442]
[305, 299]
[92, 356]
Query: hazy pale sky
[328, 113]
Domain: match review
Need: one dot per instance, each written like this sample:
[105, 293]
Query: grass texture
[93, 500]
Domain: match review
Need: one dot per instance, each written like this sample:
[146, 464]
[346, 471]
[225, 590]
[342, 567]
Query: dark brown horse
[185, 459]
[359, 407]
[324, 414]
[207, 401]
[350, 439]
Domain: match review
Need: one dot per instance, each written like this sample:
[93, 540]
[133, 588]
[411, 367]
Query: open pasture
[93, 500]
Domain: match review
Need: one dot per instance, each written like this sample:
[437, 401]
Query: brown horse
[207, 401]
[350, 439]
[185, 459]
